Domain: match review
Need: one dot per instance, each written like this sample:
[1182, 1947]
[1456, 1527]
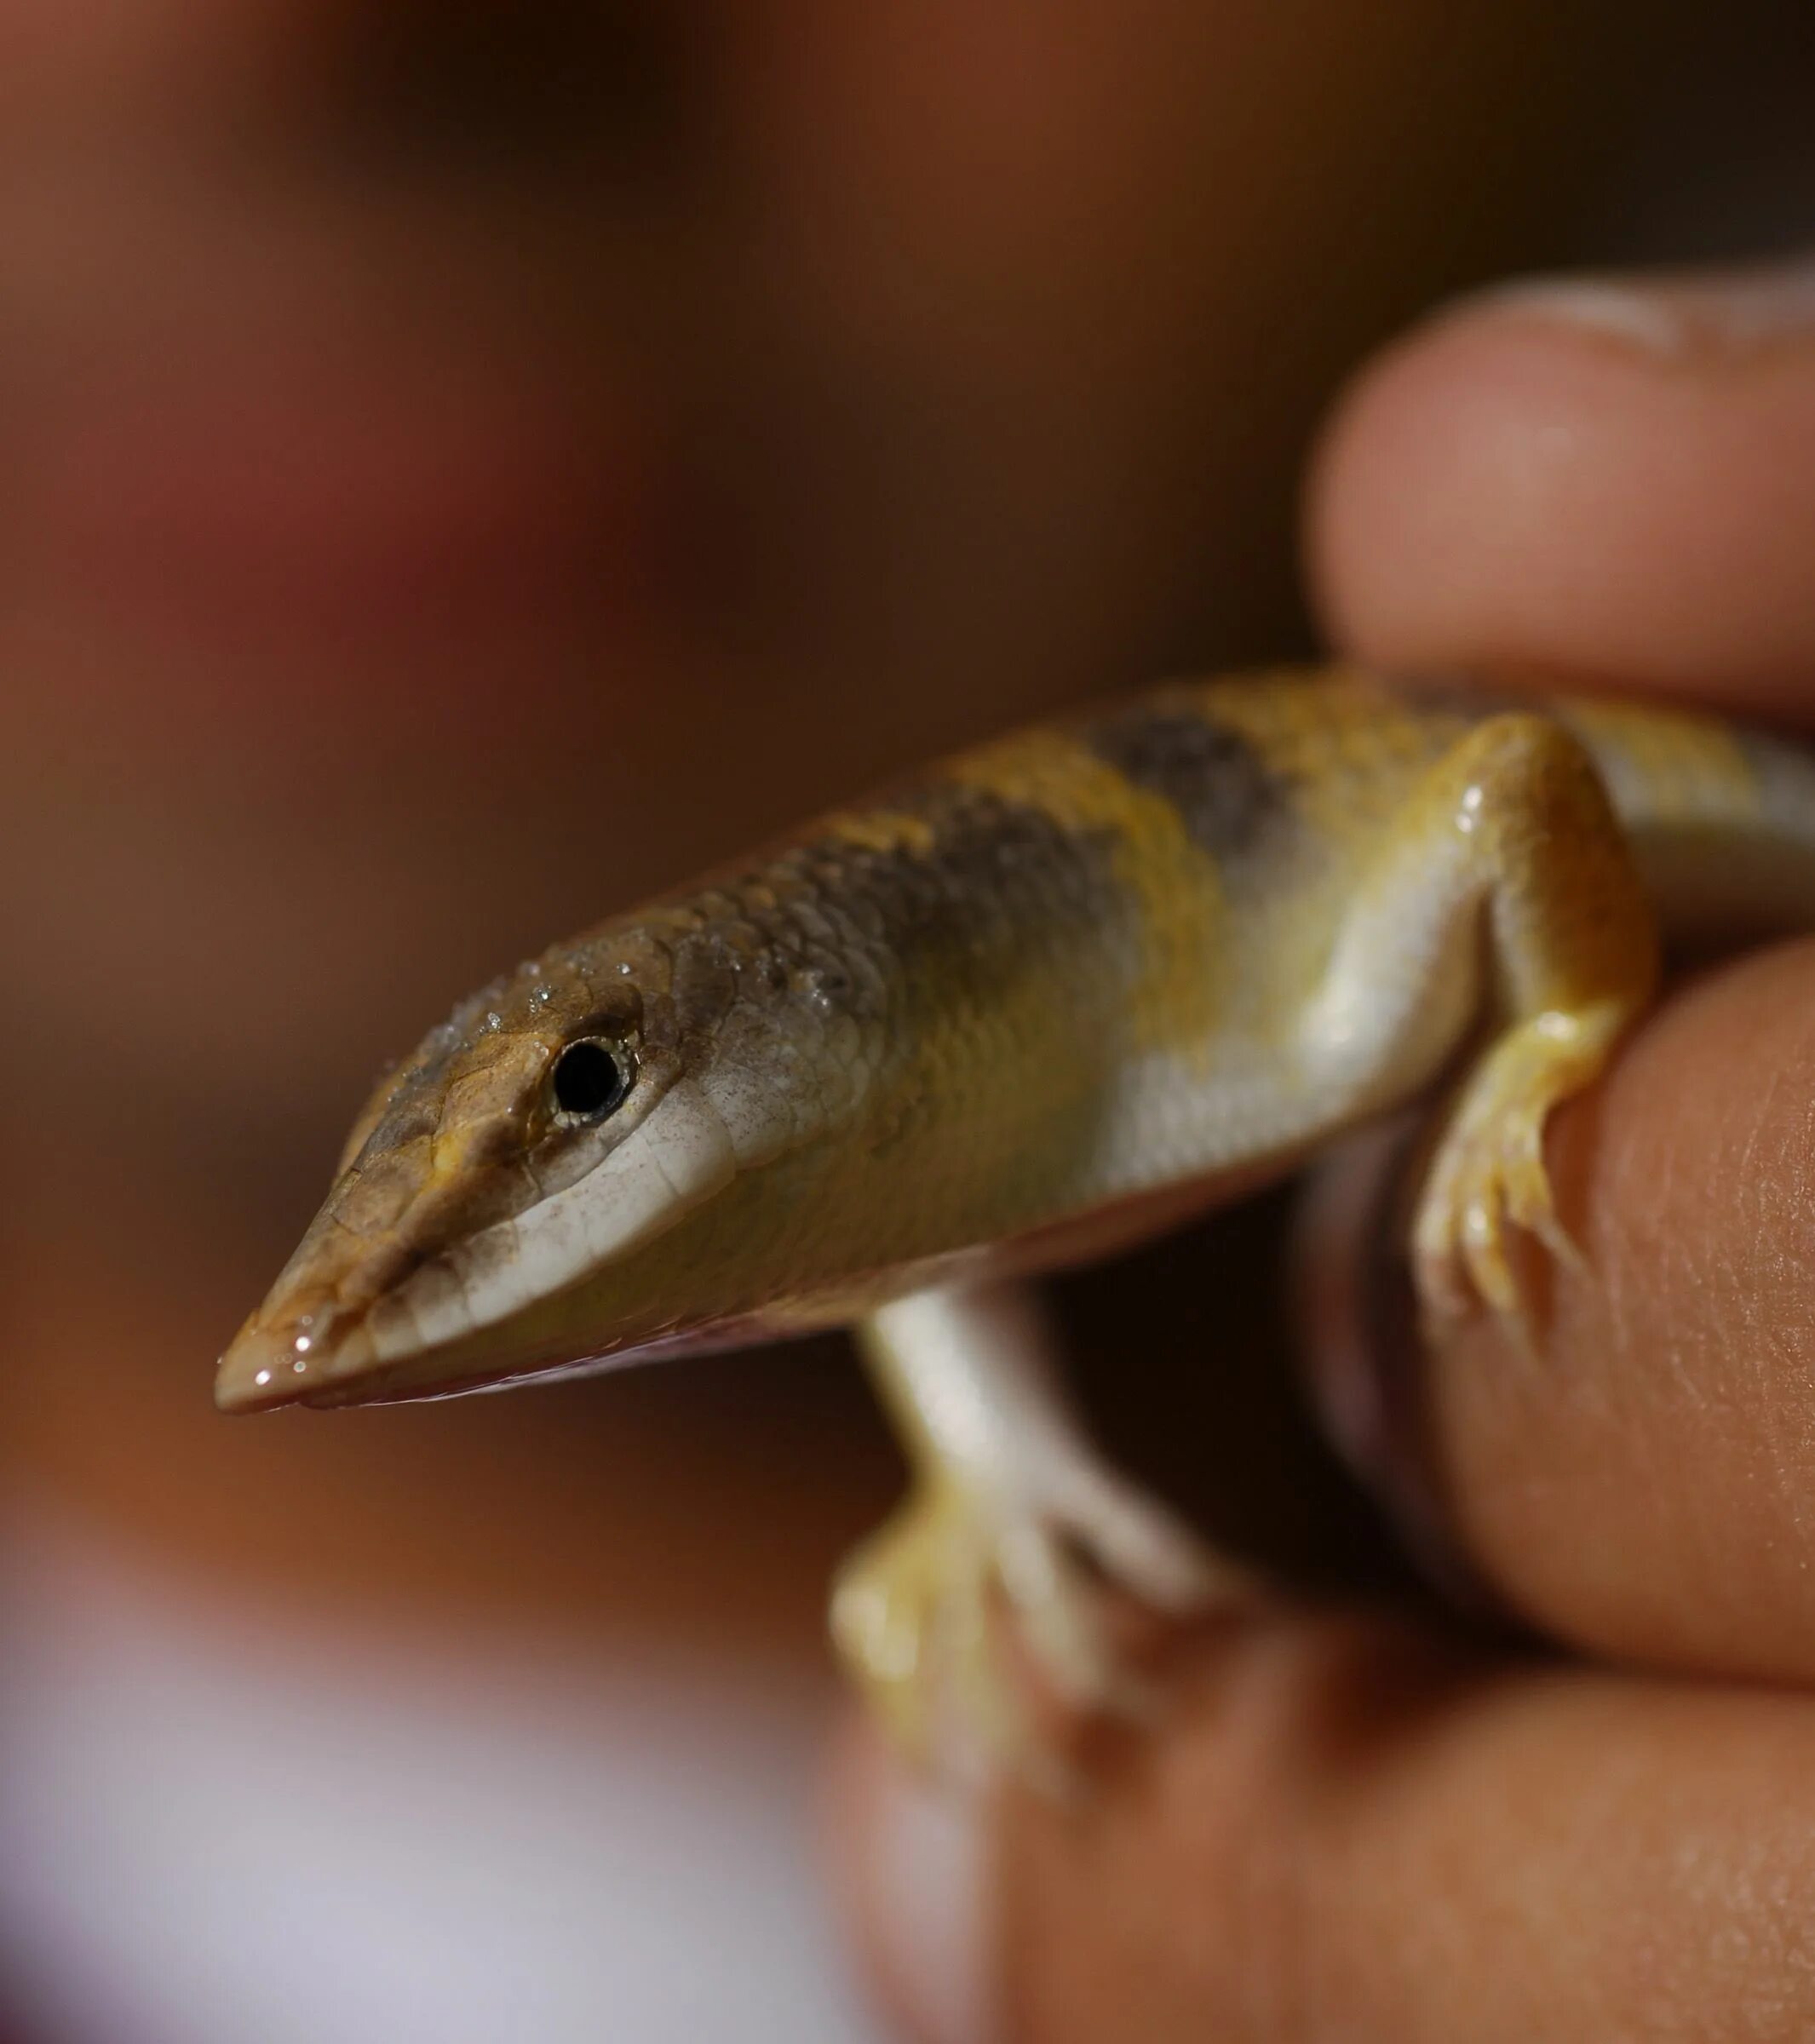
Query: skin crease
[1362, 1828]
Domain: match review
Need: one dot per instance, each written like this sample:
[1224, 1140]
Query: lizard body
[1045, 999]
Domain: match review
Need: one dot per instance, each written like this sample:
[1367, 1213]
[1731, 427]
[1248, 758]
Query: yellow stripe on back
[1672, 769]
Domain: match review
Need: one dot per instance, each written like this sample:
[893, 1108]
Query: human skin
[1371, 1825]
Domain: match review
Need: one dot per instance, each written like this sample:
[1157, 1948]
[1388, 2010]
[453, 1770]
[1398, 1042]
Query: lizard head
[501, 1204]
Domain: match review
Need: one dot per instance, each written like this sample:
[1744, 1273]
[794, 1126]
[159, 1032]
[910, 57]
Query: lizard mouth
[354, 1322]
[351, 1292]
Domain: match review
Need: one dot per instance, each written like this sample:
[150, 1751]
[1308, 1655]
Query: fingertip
[1603, 479]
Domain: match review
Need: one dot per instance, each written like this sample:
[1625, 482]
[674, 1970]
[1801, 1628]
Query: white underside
[682, 1154]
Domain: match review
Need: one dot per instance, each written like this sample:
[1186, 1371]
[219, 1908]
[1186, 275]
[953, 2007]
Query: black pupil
[587, 1080]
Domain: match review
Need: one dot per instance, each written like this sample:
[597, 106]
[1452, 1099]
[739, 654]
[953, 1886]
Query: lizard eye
[590, 1080]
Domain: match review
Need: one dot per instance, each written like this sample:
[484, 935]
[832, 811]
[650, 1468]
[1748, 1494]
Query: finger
[1613, 480]
[1347, 1832]
[1640, 1480]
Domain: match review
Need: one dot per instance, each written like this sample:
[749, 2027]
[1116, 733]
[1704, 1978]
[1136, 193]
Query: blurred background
[466, 465]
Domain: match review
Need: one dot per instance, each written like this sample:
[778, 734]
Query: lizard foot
[1488, 1174]
[915, 1610]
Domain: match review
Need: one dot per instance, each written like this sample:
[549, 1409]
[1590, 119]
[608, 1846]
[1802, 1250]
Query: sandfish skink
[1047, 998]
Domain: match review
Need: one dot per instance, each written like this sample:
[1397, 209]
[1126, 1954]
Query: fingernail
[1347, 1205]
[1365, 1365]
[1672, 317]
[917, 1859]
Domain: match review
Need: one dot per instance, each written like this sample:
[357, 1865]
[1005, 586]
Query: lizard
[1039, 1002]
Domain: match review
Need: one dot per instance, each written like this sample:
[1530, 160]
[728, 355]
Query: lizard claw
[1488, 1176]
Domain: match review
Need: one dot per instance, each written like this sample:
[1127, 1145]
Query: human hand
[1353, 1826]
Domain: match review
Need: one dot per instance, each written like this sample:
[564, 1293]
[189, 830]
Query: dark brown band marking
[1226, 793]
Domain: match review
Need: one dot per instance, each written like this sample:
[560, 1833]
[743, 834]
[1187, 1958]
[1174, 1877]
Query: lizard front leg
[1010, 1513]
[1511, 837]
